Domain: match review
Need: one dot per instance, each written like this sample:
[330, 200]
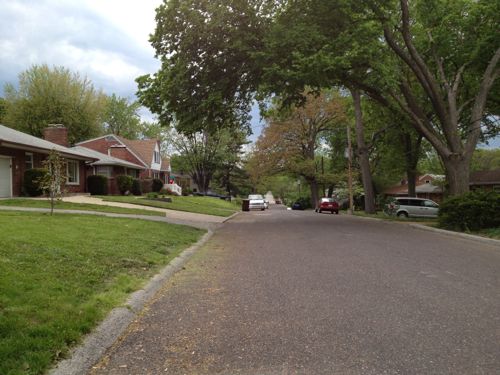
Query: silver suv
[412, 207]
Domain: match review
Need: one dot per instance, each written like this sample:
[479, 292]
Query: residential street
[293, 292]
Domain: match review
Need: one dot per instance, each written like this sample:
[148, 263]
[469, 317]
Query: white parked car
[257, 202]
[412, 207]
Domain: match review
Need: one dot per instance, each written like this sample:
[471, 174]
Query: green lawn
[201, 205]
[36, 203]
[60, 275]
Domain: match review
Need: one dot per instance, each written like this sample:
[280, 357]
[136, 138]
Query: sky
[104, 40]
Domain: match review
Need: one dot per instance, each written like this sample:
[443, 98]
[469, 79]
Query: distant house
[20, 152]
[109, 166]
[488, 180]
[428, 186]
[145, 153]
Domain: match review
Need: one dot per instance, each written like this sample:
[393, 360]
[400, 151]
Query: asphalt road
[289, 292]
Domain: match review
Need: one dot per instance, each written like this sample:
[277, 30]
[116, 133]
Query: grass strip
[60, 275]
[200, 205]
[38, 203]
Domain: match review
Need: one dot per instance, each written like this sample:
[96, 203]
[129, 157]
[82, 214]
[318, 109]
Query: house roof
[16, 139]
[485, 177]
[143, 148]
[104, 159]
[165, 165]
[421, 186]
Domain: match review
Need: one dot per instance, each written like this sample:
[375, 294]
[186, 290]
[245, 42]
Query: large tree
[55, 95]
[121, 117]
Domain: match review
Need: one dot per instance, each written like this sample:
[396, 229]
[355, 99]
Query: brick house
[109, 166]
[487, 180]
[20, 151]
[145, 153]
[428, 186]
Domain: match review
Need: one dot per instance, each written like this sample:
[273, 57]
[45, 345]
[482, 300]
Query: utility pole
[349, 169]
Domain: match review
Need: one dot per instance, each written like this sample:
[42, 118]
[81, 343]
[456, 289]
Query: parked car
[328, 204]
[412, 207]
[297, 206]
[257, 202]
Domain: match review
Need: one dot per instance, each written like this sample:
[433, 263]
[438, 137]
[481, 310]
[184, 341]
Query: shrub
[166, 191]
[97, 185]
[31, 181]
[136, 187]
[156, 185]
[471, 211]
[124, 183]
[146, 185]
[152, 195]
[186, 191]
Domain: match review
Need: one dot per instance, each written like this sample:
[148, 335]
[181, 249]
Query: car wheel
[320, 210]
[336, 212]
[403, 215]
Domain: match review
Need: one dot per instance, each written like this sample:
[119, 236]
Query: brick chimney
[56, 133]
[118, 151]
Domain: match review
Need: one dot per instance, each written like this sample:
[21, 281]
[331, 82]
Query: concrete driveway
[288, 292]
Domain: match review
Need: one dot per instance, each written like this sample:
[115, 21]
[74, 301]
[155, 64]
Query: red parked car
[328, 204]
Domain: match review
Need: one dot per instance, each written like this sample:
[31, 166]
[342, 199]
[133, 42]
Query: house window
[156, 175]
[104, 170]
[156, 157]
[73, 172]
[133, 173]
[29, 160]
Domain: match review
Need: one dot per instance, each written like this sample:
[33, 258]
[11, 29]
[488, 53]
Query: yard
[201, 205]
[39, 203]
[60, 275]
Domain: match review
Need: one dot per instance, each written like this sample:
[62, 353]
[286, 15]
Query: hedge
[136, 187]
[124, 183]
[97, 185]
[31, 186]
[471, 211]
[157, 185]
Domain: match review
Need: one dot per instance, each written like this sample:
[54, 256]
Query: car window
[415, 202]
[323, 200]
[255, 196]
[403, 202]
[430, 204]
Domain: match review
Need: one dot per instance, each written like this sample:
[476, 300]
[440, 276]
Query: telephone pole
[349, 169]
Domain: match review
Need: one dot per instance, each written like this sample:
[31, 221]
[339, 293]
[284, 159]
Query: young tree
[53, 181]
[54, 96]
[121, 117]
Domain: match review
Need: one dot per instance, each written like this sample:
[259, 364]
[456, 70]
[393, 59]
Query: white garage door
[5, 178]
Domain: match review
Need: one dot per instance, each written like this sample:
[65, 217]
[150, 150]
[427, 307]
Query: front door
[5, 178]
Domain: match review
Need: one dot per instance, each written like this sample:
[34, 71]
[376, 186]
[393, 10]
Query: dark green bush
[97, 185]
[124, 183]
[157, 185]
[146, 185]
[136, 187]
[471, 211]
[31, 186]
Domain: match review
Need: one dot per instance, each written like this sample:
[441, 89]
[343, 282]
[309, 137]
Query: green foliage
[152, 195]
[136, 187]
[122, 117]
[3, 109]
[471, 211]
[124, 183]
[54, 96]
[97, 184]
[146, 184]
[31, 181]
[485, 160]
[156, 185]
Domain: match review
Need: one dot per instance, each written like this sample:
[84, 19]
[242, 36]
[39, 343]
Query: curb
[94, 345]
[230, 217]
[472, 237]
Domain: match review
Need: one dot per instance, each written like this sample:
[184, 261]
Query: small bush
[156, 185]
[31, 185]
[97, 185]
[471, 211]
[166, 192]
[124, 183]
[146, 185]
[186, 191]
[136, 187]
[152, 195]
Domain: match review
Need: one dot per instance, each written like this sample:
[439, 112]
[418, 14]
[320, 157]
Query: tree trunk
[364, 161]
[313, 184]
[412, 155]
[457, 169]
